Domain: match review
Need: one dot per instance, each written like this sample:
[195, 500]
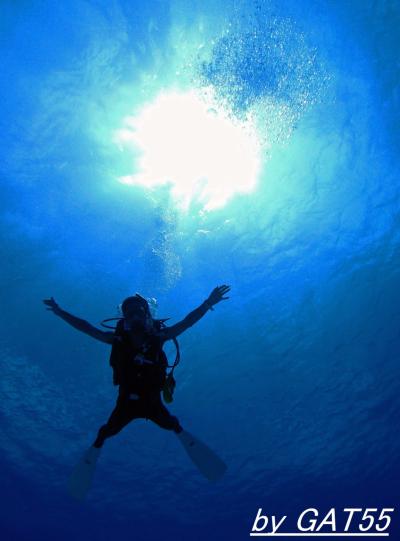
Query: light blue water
[295, 379]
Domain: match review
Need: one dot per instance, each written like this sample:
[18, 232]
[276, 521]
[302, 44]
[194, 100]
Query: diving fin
[207, 462]
[81, 477]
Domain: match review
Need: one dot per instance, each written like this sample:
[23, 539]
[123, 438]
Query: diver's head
[136, 310]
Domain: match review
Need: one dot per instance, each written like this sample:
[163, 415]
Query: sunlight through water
[187, 140]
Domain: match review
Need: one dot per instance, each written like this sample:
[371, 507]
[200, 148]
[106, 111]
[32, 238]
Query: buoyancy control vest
[138, 368]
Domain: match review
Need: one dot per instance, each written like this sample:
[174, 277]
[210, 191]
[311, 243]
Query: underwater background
[294, 380]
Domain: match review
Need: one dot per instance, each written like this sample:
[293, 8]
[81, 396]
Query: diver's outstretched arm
[193, 317]
[78, 323]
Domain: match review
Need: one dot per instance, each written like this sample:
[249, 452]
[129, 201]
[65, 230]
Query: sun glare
[189, 142]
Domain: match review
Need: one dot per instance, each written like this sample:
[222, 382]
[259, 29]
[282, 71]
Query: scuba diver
[139, 369]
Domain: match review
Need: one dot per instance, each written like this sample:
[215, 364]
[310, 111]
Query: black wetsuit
[139, 365]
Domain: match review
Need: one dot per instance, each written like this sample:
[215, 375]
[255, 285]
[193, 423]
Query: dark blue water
[294, 380]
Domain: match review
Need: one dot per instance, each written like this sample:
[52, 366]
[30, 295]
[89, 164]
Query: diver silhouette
[139, 369]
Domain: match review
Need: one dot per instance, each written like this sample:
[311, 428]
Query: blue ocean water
[294, 380]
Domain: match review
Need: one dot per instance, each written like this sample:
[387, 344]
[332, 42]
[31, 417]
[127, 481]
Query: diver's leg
[123, 413]
[159, 414]
[82, 475]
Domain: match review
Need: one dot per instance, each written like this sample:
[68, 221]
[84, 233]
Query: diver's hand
[217, 295]
[53, 306]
